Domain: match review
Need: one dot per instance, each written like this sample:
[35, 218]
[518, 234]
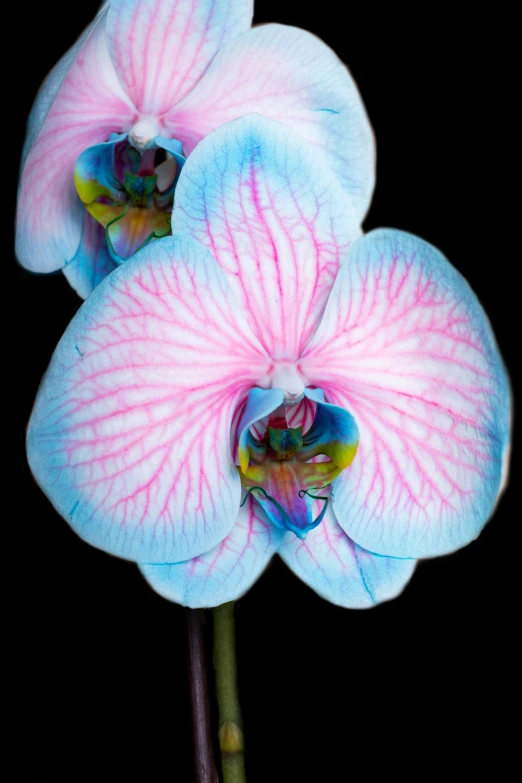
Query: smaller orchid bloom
[118, 115]
[267, 380]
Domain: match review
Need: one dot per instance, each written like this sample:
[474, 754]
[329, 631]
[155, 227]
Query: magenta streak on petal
[404, 346]
[231, 553]
[290, 344]
[89, 106]
[134, 417]
[290, 76]
[225, 572]
[234, 430]
[160, 49]
[301, 415]
[279, 227]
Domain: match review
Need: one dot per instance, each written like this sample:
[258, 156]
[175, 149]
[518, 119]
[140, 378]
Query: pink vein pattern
[161, 48]
[276, 224]
[130, 432]
[302, 414]
[227, 571]
[289, 75]
[339, 570]
[89, 106]
[405, 346]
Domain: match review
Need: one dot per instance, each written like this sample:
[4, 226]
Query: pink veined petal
[277, 224]
[340, 570]
[288, 75]
[224, 573]
[49, 88]
[161, 48]
[89, 105]
[130, 434]
[405, 346]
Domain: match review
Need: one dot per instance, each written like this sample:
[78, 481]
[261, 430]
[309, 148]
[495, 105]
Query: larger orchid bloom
[149, 79]
[216, 393]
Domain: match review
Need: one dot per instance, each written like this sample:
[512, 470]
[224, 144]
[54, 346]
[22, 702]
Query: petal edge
[405, 345]
[130, 433]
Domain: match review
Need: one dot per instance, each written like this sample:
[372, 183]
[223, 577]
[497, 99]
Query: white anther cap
[143, 132]
[288, 379]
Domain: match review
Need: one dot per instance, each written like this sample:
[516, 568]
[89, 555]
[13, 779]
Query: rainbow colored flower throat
[131, 194]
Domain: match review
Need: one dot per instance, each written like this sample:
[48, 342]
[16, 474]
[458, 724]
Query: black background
[97, 667]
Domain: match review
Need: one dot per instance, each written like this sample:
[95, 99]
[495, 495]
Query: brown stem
[203, 752]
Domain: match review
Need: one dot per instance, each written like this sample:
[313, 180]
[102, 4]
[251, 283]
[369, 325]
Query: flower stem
[205, 768]
[230, 723]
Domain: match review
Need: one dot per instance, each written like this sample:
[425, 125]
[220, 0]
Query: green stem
[230, 723]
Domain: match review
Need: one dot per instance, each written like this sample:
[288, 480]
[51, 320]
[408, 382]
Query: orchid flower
[118, 115]
[267, 380]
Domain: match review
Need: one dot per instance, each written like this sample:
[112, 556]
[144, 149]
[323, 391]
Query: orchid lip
[130, 193]
[281, 519]
[278, 468]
